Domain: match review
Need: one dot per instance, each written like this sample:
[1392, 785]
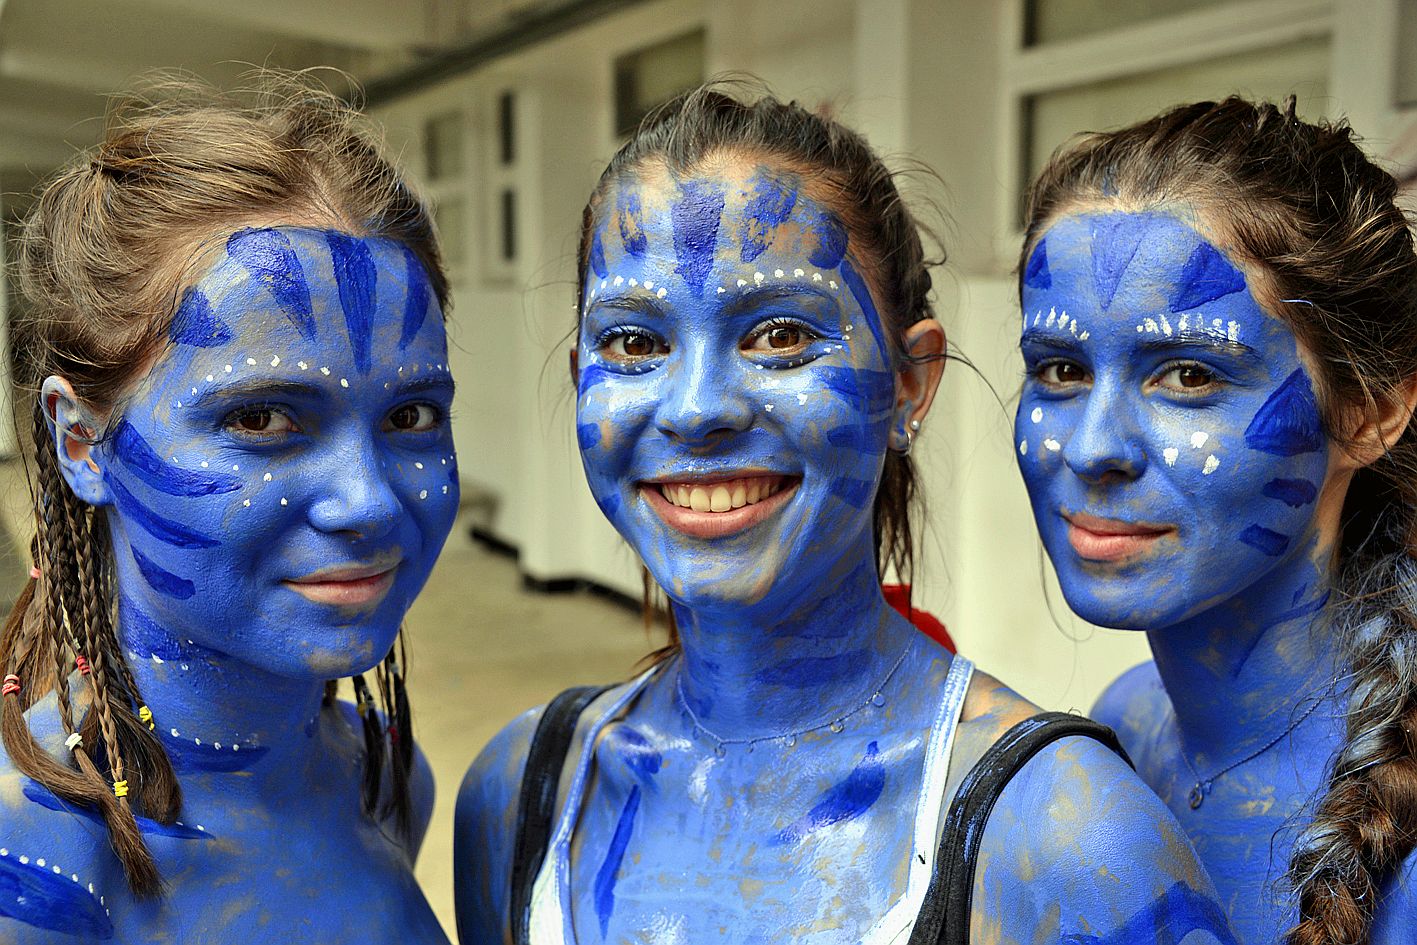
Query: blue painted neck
[1236, 671]
[214, 712]
[755, 671]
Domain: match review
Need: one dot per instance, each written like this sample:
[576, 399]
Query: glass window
[1048, 21]
[1051, 118]
[653, 75]
[443, 145]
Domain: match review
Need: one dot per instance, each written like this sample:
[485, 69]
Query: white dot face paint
[1186, 429]
[193, 490]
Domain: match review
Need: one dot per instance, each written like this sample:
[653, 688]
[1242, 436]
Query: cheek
[1042, 429]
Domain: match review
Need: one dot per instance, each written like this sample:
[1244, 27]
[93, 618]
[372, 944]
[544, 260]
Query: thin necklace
[1203, 785]
[835, 724]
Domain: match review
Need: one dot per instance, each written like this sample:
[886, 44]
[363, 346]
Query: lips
[345, 586]
[718, 507]
[1104, 539]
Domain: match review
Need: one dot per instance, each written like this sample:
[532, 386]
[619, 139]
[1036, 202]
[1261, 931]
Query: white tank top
[550, 897]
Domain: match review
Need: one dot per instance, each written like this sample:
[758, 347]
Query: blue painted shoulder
[1080, 846]
[1130, 704]
[54, 865]
[421, 785]
[484, 831]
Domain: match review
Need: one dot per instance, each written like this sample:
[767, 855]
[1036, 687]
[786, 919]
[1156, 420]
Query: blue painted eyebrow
[1053, 339]
[635, 304]
[443, 383]
[1182, 340]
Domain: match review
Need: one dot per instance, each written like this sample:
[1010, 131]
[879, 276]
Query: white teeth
[720, 497]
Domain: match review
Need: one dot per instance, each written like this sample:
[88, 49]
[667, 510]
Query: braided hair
[1316, 219]
[104, 255]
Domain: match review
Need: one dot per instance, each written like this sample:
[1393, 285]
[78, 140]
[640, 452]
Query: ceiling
[61, 59]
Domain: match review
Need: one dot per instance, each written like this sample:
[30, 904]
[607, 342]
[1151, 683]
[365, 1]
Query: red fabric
[898, 596]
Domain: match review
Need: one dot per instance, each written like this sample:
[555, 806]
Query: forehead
[298, 289]
[1128, 262]
[732, 212]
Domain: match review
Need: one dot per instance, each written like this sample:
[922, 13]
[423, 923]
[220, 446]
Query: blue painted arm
[1080, 851]
[483, 832]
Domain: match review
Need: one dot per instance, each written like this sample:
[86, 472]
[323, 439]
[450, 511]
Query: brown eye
[1062, 372]
[637, 346]
[784, 336]
[260, 421]
[414, 418]
[1188, 377]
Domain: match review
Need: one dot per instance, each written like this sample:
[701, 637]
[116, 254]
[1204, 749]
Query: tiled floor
[481, 650]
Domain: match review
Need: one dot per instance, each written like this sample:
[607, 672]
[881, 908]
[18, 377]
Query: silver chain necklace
[1202, 787]
[835, 724]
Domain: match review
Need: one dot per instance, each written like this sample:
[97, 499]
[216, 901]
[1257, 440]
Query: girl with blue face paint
[1220, 338]
[236, 392]
[756, 352]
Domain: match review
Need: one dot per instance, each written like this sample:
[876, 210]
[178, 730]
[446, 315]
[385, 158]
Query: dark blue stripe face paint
[268, 256]
[415, 306]
[856, 493]
[1292, 492]
[46, 798]
[355, 275]
[1289, 423]
[770, 205]
[163, 529]
[1036, 274]
[130, 447]
[195, 325]
[695, 220]
[631, 220]
[842, 802]
[831, 238]
[1268, 542]
[1206, 277]
[610, 867]
[164, 582]
[597, 254]
[1115, 239]
[587, 435]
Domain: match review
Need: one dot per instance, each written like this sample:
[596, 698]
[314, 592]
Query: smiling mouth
[345, 587]
[719, 507]
[1104, 539]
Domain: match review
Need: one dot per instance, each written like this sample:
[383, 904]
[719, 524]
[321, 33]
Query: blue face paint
[194, 324]
[1161, 400]
[250, 466]
[769, 378]
[39, 897]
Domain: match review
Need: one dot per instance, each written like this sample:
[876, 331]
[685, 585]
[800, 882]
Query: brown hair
[104, 255]
[1305, 207]
[700, 124]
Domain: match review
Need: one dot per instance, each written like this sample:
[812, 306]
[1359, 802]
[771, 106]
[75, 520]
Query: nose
[357, 496]
[1106, 446]
[703, 400]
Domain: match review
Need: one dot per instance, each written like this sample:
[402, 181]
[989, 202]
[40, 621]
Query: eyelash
[231, 423]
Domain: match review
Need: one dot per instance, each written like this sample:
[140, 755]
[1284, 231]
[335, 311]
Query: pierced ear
[920, 373]
[575, 364]
[1375, 435]
[73, 430]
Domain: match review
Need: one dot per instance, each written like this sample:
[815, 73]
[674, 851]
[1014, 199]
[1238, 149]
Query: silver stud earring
[915, 426]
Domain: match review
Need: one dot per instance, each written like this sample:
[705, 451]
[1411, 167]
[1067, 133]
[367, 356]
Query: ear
[1376, 433]
[575, 364]
[920, 373]
[73, 430]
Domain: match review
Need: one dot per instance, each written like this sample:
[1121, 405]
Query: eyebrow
[255, 387]
[434, 382]
[1178, 341]
[636, 304]
[742, 300]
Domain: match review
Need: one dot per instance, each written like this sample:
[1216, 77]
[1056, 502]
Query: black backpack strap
[944, 918]
[537, 804]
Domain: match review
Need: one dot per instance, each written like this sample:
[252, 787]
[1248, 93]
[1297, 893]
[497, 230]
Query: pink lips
[721, 506]
[1104, 539]
[358, 586]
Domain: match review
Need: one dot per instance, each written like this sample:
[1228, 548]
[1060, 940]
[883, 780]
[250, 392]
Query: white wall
[925, 81]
